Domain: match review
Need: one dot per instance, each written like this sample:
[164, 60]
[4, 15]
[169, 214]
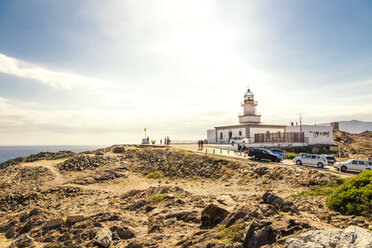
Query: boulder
[54, 223]
[103, 237]
[351, 237]
[279, 203]
[126, 232]
[212, 215]
[259, 234]
[71, 219]
[10, 232]
[272, 199]
[118, 149]
[226, 200]
[21, 241]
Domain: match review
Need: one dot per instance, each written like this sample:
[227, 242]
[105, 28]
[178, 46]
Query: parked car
[311, 159]
[239, 140]
[264, 154]
[330, 159]
[302, 154]
[278, 152]
[354, 164]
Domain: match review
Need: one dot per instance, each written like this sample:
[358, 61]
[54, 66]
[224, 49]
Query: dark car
[330, 159]
[264, 154]
[278, 152]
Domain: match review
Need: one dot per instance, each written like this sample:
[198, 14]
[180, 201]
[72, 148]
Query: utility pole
[301, 126]
[339, 160]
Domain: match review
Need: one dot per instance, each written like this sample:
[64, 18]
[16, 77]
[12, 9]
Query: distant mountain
[355, 126]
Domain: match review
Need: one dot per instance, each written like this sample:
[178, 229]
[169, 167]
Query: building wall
[211, 136]
[225, 134]
[255, 130]
[249, 109]
[244, 119]
[314, 134]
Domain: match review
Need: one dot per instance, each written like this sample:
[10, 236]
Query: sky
[97, 72]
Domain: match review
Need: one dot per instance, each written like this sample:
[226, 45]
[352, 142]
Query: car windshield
[269, 152]
[349, 160]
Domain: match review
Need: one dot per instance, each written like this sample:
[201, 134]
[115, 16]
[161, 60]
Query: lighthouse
[249, 109]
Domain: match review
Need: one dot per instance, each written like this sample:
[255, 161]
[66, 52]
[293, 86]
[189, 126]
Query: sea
[10, 152]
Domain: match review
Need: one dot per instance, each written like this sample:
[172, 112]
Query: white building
[260, 134]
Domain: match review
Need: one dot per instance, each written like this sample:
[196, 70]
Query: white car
[312, 159]
[239, 140]
[354, 164]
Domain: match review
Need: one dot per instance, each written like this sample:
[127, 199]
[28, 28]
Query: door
[265, 155]
[306, 159]
[353, 165]
[369, 166]
[362, 165]
[230, 136]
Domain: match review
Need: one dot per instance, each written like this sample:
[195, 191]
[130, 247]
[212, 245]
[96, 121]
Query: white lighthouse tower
[249, 107]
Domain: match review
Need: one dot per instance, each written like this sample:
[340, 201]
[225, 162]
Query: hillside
[128, 196]
[354, 145]
[355, 126]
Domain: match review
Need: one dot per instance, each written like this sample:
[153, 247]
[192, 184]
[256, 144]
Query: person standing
[161, 141]
[198, 144]
[201, 144]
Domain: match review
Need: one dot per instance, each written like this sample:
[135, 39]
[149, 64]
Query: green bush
[290, 155]
[154, 174]
[156, 198]
[321, 190]
[232, 233]
[354, 196]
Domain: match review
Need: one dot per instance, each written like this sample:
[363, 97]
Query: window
[355, 162]
[240, 133]
[362, 162]
[221, 135]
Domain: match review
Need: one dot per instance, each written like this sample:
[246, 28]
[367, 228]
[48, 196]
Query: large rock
[351, 237]
[212, 215]
[272, 199]
[259, 234]
[126, 232]
[279, 203]
[71, 219]
[54, 223]
[21, 241]
[103, 237]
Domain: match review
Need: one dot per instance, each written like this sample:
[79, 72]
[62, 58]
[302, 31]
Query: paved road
[227, 151]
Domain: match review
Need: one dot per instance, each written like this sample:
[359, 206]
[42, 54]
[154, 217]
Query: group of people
[166, 141]
[242, 149]
[200, 144]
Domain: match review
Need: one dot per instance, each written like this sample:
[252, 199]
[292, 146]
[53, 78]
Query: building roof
[259, 124]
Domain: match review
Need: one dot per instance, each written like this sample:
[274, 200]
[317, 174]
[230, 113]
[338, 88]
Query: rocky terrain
[354, 145]
[127, 196]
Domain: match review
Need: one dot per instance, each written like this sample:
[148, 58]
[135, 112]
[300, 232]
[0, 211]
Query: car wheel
[320, 165]
[298, 162]
[343, 168]
[253, 156]
[232, 143]
[274, 160]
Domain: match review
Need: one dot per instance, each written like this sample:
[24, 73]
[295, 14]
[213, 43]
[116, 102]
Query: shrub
[232, 233]
[290, 155]
[154, 174]
[321, 190]
[156, 198]
[354, 196]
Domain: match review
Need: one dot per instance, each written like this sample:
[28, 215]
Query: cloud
[19, 68]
